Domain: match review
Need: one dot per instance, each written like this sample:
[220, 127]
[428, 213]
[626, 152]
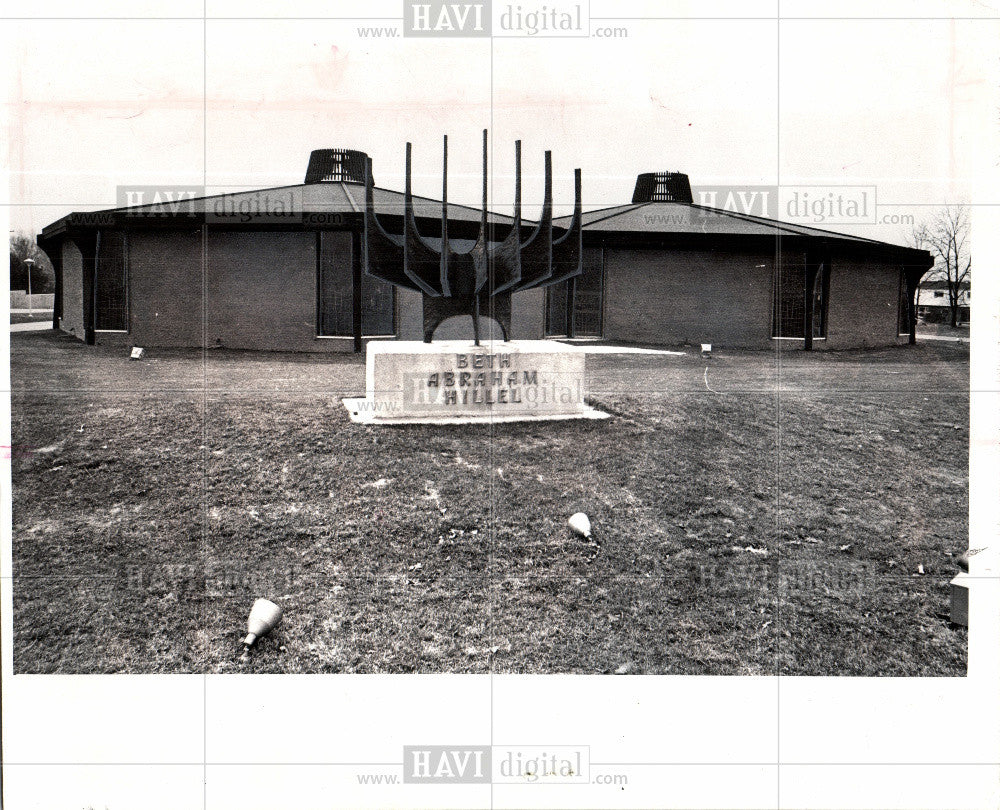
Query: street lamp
[30, 262]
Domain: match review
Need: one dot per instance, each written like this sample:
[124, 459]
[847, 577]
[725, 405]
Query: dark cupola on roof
[336, 166]
[662, 187]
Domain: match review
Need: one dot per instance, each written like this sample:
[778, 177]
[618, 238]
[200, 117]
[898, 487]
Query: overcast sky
[898, 104]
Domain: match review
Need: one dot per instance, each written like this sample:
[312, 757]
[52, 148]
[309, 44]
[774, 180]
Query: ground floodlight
[580, 524]
[264, 617]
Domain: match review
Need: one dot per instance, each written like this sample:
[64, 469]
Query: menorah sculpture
[482, 279]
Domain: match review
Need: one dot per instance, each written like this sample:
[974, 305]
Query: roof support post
[58, 297]
[357, 300]
[571, 306]
[912, 276]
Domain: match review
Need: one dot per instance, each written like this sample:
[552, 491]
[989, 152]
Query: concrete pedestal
[960, 599]
[457, 382]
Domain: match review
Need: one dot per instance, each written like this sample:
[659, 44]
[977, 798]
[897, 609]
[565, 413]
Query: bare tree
[23, 247]
[918, 239]
[947, 238]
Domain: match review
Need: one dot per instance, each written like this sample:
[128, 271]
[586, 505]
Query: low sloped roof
[346, 198]
[688, 218]
[321, 198]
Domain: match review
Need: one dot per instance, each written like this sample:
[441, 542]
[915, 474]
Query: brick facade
[72, 289]
[864, 304]
[165, 288]
[672, 297]
[259, 292]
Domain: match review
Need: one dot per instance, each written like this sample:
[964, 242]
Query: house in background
[281, 269]
[933, 305]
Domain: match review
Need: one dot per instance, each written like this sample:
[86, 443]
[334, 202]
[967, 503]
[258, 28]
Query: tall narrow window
[790, 304]
[821, 293]
[575, 308]
[336, 284]
[337, 277]
[588, 298]
[111, 283]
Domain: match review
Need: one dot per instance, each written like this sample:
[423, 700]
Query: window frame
[356, 332]
[572, 299]
[126, 283]
[821, 289]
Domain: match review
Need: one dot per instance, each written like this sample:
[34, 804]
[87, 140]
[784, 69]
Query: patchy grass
[756, 513]
[943, 330]
[34, 317]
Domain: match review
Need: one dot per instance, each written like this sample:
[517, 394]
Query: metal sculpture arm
[381, 252]
[507, 266]
[421, 263]
[567, 250]
[484, 277]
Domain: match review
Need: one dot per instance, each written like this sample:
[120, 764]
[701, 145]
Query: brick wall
[527, 315]
[674, 297]
[864, 304]
[165, 289]
[72, 289]
[259, 291]
[409, 315]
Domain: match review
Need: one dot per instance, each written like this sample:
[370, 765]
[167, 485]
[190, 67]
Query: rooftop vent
[336, 166]
[662, 187]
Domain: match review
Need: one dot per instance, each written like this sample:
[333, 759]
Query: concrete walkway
[590, 349]
[604, 349]
[33, 326]
[946, 338]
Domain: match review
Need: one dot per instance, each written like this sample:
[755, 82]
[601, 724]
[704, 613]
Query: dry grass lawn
[754, 514]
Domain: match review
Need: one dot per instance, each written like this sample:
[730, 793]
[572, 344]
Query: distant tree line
[43, 278]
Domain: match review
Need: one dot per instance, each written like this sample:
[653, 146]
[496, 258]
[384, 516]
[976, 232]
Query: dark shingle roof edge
[593, 218]
[356, 204]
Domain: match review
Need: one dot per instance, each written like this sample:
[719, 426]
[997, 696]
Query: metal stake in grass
[264, 617]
